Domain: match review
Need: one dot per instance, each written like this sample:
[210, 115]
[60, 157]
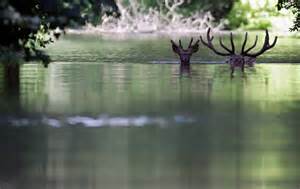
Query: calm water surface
[118, 112]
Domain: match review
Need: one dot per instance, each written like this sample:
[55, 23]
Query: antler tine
[209, 39]
[244, 43]
[232, 43]
[232, 51]
[226, 48]
[175, 47]
[191, 42]
[266, 46]
[208, 35]
[210, 45]
[274, 42]
[196, 43]
[268, 41]
[173, 42]
[194, 47]
[206, 44]
[180, 45]
[253, 46]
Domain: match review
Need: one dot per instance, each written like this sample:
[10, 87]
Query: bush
[251, 15]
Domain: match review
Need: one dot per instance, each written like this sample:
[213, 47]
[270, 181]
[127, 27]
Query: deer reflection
[185, 70]
[10, 87]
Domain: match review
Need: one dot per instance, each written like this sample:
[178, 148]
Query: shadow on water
[10, 90]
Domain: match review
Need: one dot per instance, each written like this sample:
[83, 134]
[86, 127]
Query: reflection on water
[95, 124]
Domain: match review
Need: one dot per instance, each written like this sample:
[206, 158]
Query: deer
[244, 57]
[185, 54]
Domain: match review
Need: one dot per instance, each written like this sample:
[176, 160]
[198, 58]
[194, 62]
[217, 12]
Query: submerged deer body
[185, 54]
[242, 59]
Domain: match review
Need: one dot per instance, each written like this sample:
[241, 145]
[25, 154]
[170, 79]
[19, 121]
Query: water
[120, 113]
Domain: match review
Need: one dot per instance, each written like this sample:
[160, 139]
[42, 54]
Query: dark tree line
[29, 25]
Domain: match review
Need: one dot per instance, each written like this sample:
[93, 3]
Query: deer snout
[185, 58]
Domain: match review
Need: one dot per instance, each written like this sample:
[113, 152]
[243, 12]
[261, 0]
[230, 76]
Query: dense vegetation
[293, 5]
[252, 14]
[31, 24]
[218, 8]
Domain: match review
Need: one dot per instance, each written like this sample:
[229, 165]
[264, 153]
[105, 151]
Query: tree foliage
[252, 14]
[32, 24]
[218, 8]
[294, 6]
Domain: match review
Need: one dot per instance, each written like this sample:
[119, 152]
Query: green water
[118, 112]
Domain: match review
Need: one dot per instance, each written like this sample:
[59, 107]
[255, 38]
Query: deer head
[185, 54]
[244, 57]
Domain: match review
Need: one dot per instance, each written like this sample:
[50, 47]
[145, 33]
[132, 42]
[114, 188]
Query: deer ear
[175, 47]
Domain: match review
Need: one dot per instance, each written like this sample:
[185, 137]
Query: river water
[118, 112]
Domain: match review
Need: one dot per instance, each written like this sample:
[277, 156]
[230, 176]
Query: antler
[180, 45]
[245, 42]
[191, 45]
[232, 51]
[265, 47]
[210, 45]
[175, 47]
[194, 46]
[191, 42]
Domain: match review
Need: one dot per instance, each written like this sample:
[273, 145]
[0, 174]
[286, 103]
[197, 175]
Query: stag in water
[244, 57]
[185, 54]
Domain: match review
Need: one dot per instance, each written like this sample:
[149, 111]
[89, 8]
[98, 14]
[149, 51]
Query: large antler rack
[190, 47]
[266, 46]
[210, 45]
